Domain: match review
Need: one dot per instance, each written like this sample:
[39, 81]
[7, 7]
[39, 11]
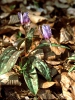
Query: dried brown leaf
[72, 75]
[57, 50]
[59, 68]
[44, 84]
[9, 1]
[45, 94]
[6, 9]
[22, 30]
[11, 27]
[65, 37]
[13, 19]
[6, 40]
[37, 13]
[60, 5]
[53, 62]
[66, 1]
[36, 19]
[68, 86]
[50, 56]
[7, 28]
[13, 38]
[10, 78]
[71, 11]
[4, 15]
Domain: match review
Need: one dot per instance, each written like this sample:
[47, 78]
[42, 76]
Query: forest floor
[58, 57]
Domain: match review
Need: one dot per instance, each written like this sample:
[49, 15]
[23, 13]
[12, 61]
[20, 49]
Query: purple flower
[46, 31]
[24, 18]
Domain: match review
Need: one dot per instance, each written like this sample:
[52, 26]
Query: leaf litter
[54, 60]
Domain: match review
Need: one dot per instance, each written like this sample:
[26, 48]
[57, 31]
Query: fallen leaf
[44, 84]
[7, 1]
[60, 5]
[4, 15]
[7, 29]
[71, 11]
[10, 78]
[6, 9]
[68, 86]
[45, 94]
[36, 19]
[57, 50]
[50, 56]
[54, 62]
[65, 37]
[72, 74]
[6, 40]
[13, 19]
[59, 68]
[22, 30]
[37, 13]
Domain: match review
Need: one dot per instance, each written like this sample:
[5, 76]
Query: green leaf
[51, 44]
[6, 51]
[58, 45]
[8, 59]
[29, 38]
[72, 58]
[28, 44]
[43, 68]
[19, 35]
[12, 7]
[72, 68]
[30, 76]
[30, 33]
[42, 45]
[36, 3]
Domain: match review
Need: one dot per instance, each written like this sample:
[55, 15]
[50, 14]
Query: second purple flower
[46, 31]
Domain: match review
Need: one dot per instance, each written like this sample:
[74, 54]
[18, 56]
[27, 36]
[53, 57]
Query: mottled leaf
[29, 38]
[6, 52]
[28, 44]
[8, 60]
[30, 34]
[51, 44]
[58, 45]
[42, 45]
[30, 76]
[43, 68]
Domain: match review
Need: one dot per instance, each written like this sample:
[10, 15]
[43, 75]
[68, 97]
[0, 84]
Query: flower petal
[26, 18]
[45, 35]
[20, 17]
[49, 31]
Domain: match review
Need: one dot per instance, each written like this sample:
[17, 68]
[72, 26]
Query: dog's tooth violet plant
[29, 63]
